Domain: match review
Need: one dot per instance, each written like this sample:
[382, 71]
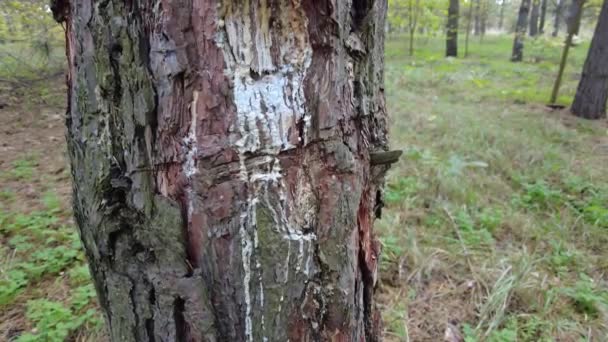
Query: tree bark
[534, 15]
[220, 152]
[520, 31]
[543, 16]
[452, 29]
[592, 93]
[558, 17]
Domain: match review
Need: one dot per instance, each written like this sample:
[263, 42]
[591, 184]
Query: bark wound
[225, 161]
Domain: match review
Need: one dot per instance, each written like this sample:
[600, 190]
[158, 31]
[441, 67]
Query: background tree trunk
[468, 29]
[477, 27]
[501, 18]
[520, 31]
[543, 16]
[452, 29]
[534, 14]
[575, 13]
[592, 92]
[559, 5]
[220, 151]
[485, 9]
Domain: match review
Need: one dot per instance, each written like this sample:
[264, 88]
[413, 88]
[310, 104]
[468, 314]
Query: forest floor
[497, 214]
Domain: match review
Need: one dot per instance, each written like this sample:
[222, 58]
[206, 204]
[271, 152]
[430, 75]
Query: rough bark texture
[534, 16]
[220, 154]
[592, 92]
[520, 31]
[558, 17]
[452, 29]
[543, 16]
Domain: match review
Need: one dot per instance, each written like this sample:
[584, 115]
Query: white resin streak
[268, 108]
[190, 145]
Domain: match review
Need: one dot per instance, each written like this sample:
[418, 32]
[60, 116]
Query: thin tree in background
[485, 9]
[534, 15]
[543, 17]
[501, 16]
[468, 29]
[592, 92]
[227, 170]
[520, 31]
[451, 49]
[413, 14]
[559, 5]
[575, 13]
[477, 17]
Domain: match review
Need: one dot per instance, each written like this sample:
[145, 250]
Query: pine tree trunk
[558, 17]
[520, 31]
[452, 29]
[225, 165]
[543, 16]
[592, 92]
[534, 14]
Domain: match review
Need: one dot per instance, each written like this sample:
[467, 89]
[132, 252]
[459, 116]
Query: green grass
[44, 268]
[499, 207]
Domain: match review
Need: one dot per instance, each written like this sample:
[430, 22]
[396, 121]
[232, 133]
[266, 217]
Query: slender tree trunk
[501, 18]
[477, 27]
[592, 92]
[227, 164]
[543, 16]
[452, 29]
[520, 31]
[414, 9]
[559, 5]
[575, 13]
[484, 18]
[468, 32]
[534, 14]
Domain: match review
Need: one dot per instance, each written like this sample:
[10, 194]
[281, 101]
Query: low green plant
[588, 297]
[23, 169]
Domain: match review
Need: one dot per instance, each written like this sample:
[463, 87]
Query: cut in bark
[221, 154]
[520, 31]
[592, 92]
[452, 29]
